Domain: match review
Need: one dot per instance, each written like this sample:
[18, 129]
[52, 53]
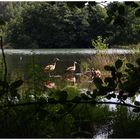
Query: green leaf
[138, 61]
[137, 12]
[137, 103]
[107, 68]
[108, 80]
[63, 95]
[120, 20]
[43, 99]
[118, 63]
[119, 74]
[92, 3]
[121, 93]
[76, 99]
[2, 21]
[51, 100]
[121, 10]
[110, 68]
[119, 97]
[88, 92]
[61, 111]
[113, 95]
[124, 97]
[131, 4]
[114, 7]
[98, 82]
[129, 65]
[108, 97]
[93, 95]
[136, 110]
[18, 96]
[2, 92]
[108, 20]
[77, 4]
[42, 114]
[85, 97]
[16, 84]
[4, 84]
[78, 134]
[13, 92]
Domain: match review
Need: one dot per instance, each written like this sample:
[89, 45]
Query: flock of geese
[92, 73]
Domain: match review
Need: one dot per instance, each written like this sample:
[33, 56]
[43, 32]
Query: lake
[19, 62]
[20, 59]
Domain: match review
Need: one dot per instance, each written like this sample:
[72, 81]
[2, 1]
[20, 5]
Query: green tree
[52, 25]
[123, 22]
[69, 24]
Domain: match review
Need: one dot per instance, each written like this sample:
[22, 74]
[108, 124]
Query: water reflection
[71, 79]
[49, 85]
[78, 80]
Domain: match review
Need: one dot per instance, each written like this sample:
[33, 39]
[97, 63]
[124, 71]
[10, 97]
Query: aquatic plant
[99, 43]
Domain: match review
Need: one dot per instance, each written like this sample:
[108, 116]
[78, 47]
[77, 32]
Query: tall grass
[99, 60]
[130, 46]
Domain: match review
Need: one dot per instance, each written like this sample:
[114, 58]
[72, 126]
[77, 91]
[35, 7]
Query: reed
[99, 60]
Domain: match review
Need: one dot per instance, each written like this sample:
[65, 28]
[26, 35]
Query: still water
[19, 62]
[20, 59]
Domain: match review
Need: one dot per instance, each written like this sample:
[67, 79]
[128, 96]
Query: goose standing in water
[93, 73]
[51, 67]
[72, 68]
[49, 85]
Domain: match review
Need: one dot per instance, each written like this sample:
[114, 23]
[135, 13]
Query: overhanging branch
[69, 101]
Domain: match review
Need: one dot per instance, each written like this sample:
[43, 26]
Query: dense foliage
[69, 24]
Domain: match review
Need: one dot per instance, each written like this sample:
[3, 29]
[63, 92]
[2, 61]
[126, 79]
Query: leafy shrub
[99, 43]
